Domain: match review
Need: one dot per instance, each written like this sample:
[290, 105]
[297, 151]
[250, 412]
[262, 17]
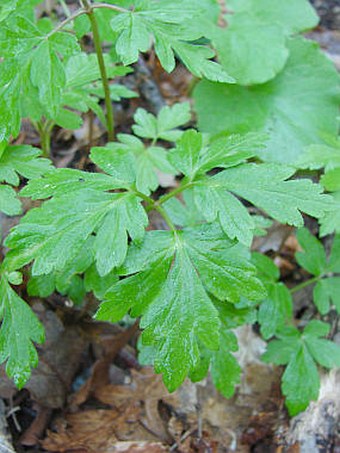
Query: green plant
[194, 282]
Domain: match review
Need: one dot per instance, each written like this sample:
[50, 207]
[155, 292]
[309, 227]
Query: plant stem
[85, 10]
[173, 193]
[152, 205]
[100, 57]
[116, 8]
[62, 24]
[165, 216]
[305, 284]
[65, 8]
[44, 129]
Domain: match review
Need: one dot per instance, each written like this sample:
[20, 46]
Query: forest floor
[89, 394]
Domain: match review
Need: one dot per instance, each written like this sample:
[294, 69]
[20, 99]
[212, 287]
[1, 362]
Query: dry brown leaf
[145, 387]
[139, 447]
[100, 372]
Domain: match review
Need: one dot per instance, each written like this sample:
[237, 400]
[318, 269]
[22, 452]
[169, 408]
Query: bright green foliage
[22, 160]
[167, 24]
[224, 368]
[173, 276]
[6, 8]
[81, 92]
[193, 284]
[97, 284]
[330, 223]
[16, 161]
[314, 260]
[66, 281]
[253, 48]
[9, 204]
[27, 49]
[165, 125]
[277, 307]
[331, 180]
[18, 330]
[308, 80]
[54, 233]
[301, 352]
[326, 156]
[148, 161]
[263, 185]
[322, 156]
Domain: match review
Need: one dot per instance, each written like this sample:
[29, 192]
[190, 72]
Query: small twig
[112, 7]
[62, 24]
[182, 439]
[305, 284]
[12, 413]
[66, 9]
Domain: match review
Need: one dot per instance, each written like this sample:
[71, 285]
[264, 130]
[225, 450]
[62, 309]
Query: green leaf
[313, 259]
[171, 36]
[186, 155]
[67, 281]
[298, 390]
[275, 310]
[41, 285]
[330, 222]
[65, 180]
[322, 156]
[180, 213]
[331, 180]
[192, 156]
[148, 162]
[54, 233]
[225, 370]
[266, 187]
[27, 47]
[22, 160]
[19, 329]
[165, 125]
[15, 278]
[327, 292]
[294, 15]
[334, 259]
[275, 107]
[6, 8]
[51, 80]
[9, 203]
[97, 284]
[253, 48]
[267, 270]
[173, 276]
[277, 307]
[116, 162]
[302, 351]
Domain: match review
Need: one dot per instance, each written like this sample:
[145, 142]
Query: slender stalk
[165, 216]
[44, 129]
[65, 8]
[152, 205]
[100, 57]
[69, 19]
[174, 192]
[85, 10]
[116, 8]
[305, 284]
